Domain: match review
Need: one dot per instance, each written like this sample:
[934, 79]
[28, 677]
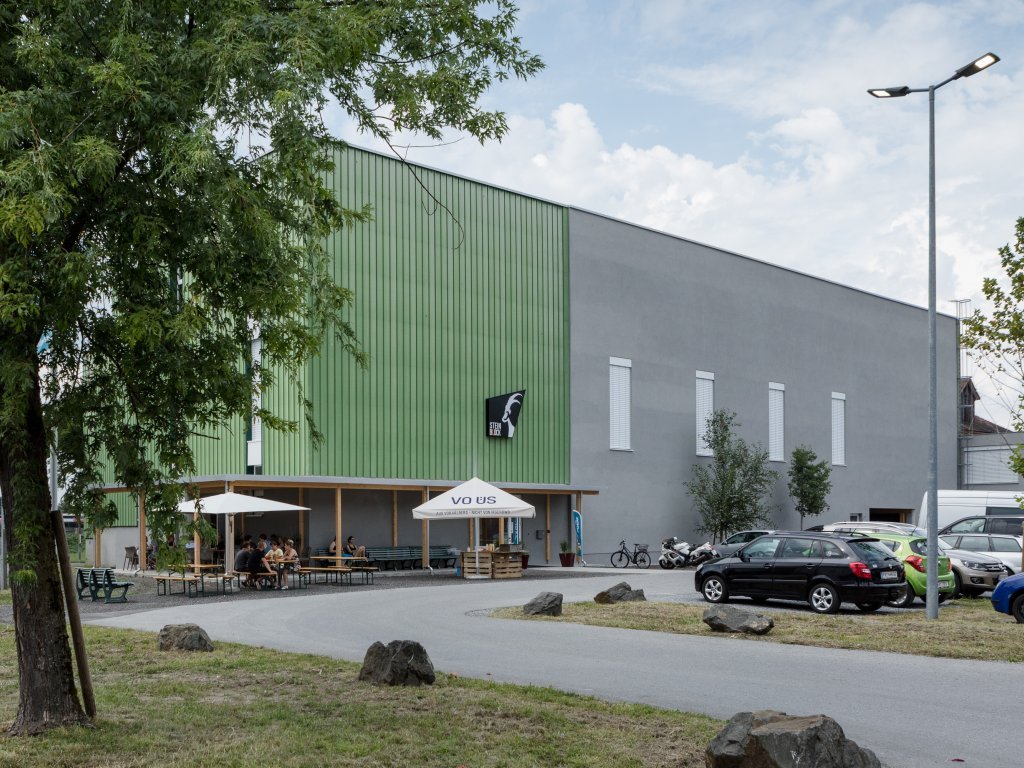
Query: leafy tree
[996, 339]
[809, 482]
[161, 203]
[732, 492]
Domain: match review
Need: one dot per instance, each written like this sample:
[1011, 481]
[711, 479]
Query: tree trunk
[46, 684]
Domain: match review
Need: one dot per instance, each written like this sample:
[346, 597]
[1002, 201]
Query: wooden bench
[101, 581]
[397, 557]
[338, 572]
[438, 556]
[191, 584]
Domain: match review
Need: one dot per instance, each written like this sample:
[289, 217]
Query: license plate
[888, 575]
[943, 583]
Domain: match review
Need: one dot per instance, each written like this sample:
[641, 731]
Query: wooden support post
[196, 545]
[501, 530]
[71, 601]
[302, 520]
[97, 536]
[469, 535]
[337, 520]
[143, 553]
[394, 518]
[425, 532]
[547, 529]
[425, 538]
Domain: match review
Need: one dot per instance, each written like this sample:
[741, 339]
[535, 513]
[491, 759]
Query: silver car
[1002, 546]
[738, 540]
[973, 572]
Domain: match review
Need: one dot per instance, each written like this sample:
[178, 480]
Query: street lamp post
[982, 62]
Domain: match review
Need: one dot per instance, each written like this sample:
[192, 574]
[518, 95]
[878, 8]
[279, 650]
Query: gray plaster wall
[674, 307]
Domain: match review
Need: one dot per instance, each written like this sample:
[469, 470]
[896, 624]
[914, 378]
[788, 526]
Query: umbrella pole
[476, 546]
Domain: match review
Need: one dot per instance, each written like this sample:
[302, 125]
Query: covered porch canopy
[230, 504]
[471, 500]
[342, 484]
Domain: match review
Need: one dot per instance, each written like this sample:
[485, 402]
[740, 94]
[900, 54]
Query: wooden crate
[469, 564]
[507, 566]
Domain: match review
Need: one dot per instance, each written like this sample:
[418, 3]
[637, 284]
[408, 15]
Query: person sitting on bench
[352, 549]
[258, 567]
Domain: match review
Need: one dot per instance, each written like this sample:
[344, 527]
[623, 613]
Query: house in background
[985, 447]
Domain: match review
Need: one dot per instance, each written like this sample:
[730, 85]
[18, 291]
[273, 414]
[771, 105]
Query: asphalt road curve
[911, 710]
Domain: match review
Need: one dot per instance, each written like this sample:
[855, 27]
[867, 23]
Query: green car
[913, 551]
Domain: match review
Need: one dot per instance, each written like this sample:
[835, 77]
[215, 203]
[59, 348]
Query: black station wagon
[823, 569]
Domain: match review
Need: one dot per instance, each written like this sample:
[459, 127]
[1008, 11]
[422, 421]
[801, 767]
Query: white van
[954, 505]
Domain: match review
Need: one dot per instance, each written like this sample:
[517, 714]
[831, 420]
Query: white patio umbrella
[231, 504]
[473, 499]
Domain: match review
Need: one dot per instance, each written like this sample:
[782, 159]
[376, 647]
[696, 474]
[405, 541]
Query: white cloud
[830, 181]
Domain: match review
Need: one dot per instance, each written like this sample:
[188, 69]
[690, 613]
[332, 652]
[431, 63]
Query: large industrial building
[620, 341]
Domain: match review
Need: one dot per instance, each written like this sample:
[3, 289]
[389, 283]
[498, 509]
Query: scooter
[674, 552]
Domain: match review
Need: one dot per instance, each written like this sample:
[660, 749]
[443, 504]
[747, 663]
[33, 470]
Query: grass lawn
[967, 629]
[241, 706]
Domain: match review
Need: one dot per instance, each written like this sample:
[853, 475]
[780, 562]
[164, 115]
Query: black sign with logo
[503, 413]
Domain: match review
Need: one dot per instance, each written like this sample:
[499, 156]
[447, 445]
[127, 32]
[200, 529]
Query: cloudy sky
[747, 125]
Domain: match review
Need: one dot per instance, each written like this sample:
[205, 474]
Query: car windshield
[870, 551]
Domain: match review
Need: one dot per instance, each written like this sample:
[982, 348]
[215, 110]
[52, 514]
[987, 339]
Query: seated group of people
[266, 557]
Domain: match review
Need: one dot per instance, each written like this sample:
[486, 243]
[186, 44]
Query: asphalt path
[913, 711]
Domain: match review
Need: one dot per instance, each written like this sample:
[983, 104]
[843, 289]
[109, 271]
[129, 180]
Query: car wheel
[714, 590]
[1017, 609]
[958, 585]
[869, 607]
[972, 592]
[943, 597]
[906, 600]
[823, 598]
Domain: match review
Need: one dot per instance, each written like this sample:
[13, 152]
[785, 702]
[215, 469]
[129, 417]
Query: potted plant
[566, 556]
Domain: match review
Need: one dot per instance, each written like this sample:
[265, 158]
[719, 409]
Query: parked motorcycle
[702, 554]
[674, 553]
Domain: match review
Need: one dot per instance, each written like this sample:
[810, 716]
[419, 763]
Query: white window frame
[838, 429]
[254, 447]
[704, 405]
[620, 384]
[776, 421]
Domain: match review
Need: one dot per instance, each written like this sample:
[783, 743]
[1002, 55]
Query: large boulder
[620, 593]
[727, 618]
[544, 604]
[770, 739]
[184, 637]
[400, 662]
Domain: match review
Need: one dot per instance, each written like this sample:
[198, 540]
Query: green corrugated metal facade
[461, 293]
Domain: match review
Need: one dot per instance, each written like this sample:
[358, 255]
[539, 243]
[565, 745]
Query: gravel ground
[143, 596]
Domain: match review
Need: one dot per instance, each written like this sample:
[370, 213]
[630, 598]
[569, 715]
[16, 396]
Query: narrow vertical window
[705, 407]
[618, 403]
[776, 421]
[254, 448]
[838, 428]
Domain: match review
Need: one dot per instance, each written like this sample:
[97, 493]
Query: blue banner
[577, 521]
[515, 531]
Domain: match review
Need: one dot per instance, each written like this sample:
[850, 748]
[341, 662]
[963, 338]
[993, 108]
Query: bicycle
[637, 557]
